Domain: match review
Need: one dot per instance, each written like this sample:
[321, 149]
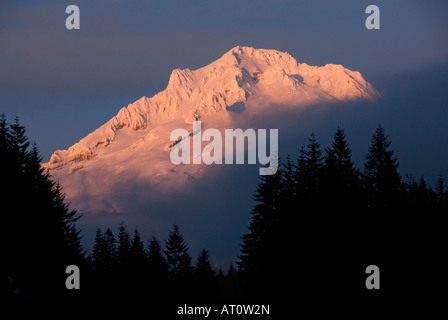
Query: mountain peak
[263, 77]
[247, 57]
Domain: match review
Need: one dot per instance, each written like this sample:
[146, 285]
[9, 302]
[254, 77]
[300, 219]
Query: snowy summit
[136, 141]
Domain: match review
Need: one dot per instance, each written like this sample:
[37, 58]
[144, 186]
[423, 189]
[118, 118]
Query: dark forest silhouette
[39, 238]
[316, 225]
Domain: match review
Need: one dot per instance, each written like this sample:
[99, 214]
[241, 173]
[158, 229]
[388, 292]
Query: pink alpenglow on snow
[180, 149]
[135, 144]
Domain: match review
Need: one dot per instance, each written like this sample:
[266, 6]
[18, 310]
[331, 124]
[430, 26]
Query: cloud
[214, 211]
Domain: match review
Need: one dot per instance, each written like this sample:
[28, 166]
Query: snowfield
[133, 148]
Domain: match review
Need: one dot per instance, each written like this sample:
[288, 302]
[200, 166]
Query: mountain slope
[134, 145]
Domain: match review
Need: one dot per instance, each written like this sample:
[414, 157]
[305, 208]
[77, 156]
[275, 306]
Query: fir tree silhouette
[35, 212]
[176, 252]
[104, 253]
[137, 274]
[441, 194]
[381, 177]
[204, 275]
[137, 248]
[157, 269]
[157, 262]
[110, 246]
[309, 169]
[179, 262]
[124, 265]
[341, 178]
[203, 270]
[124, 245]
[99, 254]
[258, 250]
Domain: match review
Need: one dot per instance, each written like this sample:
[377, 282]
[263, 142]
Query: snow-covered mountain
[134, 145]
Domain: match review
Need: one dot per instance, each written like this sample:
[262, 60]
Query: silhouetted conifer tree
[137, 276]
[309, 169]
[288, 193]
[157, 269]
[110, 244]
[137, 251]
[157, 262]
[19, 143]
[381, 177]
[204, 276]
[4, 134]
[335, 218]
[124, 245]
[104, 250]
[176, 252]
[99, 253]
[441, 195]
[35, 213]
[341, 178]
[259, 250]
[98, 247]
[203, 270]
[124, 266]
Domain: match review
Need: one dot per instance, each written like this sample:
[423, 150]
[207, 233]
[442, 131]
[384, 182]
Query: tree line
[316, 225]
[39, 236]
[40, 239]
[320, 221]
[124, 266]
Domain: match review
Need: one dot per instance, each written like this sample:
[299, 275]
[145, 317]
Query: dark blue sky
[63, 84]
